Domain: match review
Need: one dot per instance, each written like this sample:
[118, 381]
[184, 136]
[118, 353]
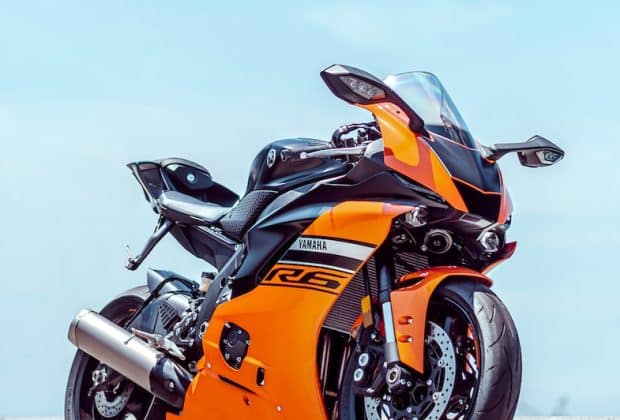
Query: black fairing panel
[485, 205]
[277, 168]
[181, 175]
[283, 220]
[167, 307]
[467, 165]
[267, 244]
[472, 175]
[193, 179]
[199, 243]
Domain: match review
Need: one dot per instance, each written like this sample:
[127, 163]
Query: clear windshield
[424, 93]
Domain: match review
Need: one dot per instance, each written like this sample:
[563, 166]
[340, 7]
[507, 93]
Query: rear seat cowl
[192, 207]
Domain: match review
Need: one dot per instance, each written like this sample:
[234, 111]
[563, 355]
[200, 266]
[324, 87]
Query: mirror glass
[539, 157]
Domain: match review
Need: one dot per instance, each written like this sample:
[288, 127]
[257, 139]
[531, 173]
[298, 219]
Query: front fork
[385, 277]
[397, 378]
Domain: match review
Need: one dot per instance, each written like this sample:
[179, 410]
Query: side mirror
[358, 87]
[546, 155]
[536, 152]
[353, 85]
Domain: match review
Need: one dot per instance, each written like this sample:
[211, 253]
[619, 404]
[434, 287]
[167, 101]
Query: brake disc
[112, 407]
[445, 370]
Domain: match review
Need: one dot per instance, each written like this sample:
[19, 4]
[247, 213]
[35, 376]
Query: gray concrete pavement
[516, 418]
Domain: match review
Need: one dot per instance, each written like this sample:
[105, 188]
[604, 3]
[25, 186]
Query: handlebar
[366, 131]
[339, 145]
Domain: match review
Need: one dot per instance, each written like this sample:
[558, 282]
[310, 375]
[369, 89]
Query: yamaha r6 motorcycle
[351, 278]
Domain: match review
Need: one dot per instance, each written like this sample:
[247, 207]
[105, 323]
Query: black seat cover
[238, 220]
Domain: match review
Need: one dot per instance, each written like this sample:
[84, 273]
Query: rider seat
[186, 205]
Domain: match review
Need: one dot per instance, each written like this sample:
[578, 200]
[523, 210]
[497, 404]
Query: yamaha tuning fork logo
[271, 158]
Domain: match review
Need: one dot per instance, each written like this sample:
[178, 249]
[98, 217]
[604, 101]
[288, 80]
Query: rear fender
[410, 306]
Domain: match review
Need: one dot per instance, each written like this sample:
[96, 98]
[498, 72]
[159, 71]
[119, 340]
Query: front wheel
[472, 364]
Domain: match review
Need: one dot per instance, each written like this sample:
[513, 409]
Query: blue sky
[86, 87]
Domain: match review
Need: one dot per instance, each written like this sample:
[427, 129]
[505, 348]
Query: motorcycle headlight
[490, 241]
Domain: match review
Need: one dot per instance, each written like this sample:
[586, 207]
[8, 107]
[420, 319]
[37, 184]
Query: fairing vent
[485, 205]
[167, 315]
[346, 310]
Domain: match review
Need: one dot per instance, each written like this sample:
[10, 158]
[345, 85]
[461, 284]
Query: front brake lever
[327, 153]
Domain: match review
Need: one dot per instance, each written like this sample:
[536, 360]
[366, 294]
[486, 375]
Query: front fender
[410, 306]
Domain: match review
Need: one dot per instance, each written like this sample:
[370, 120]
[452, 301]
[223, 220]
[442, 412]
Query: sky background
[86, 87]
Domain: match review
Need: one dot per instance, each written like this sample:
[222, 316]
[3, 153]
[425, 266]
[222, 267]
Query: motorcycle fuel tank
[277, 166]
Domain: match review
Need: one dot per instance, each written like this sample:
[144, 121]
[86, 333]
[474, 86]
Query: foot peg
[160, 342]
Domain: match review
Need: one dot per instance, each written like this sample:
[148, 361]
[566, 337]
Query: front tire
[137, 403]
[484, 349]
[499, 382]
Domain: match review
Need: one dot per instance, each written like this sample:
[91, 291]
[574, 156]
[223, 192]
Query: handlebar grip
[339, 132]
[371, 127]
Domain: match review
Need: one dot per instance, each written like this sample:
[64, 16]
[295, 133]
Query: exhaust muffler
[130, 356]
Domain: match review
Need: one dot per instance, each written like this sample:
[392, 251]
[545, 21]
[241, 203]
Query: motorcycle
[351, 278]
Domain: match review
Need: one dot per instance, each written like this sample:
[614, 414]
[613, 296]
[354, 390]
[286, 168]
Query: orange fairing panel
[410, 305]
[283, 317]
[411, 156]
[361, 221]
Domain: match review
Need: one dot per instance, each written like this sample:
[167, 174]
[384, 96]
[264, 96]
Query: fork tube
[385, 276]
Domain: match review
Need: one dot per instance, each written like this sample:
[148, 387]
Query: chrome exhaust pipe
[130, 356]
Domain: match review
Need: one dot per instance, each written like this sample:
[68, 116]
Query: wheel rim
[122, 401]
[442, 357]
[451, 336]
[463, 330]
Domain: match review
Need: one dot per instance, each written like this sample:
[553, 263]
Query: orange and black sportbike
[350, 279]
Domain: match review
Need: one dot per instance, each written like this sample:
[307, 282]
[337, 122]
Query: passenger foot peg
[160, 342]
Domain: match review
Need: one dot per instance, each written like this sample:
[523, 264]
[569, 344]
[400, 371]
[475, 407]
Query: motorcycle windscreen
[478, 180]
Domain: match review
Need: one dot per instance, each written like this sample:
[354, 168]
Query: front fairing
[467, 180]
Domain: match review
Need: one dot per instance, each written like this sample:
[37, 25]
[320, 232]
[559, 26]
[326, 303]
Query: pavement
[516, 418]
